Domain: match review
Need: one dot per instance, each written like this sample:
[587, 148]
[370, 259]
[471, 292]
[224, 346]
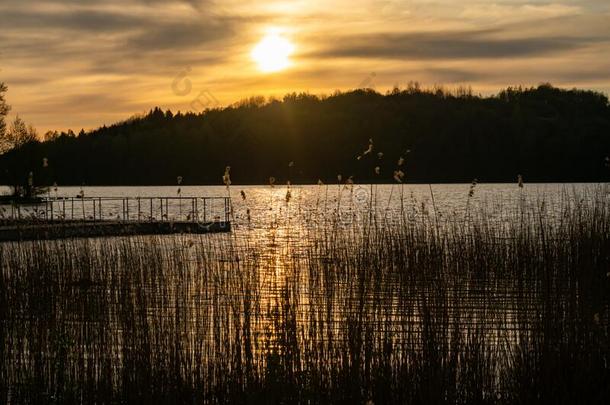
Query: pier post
[96, 224]
[226, 210]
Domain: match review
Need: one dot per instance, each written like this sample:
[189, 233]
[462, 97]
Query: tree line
[545, 134]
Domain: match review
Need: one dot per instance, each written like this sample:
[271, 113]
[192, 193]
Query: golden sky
[83, 63]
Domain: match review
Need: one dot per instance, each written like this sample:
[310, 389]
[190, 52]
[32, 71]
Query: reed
[404, 308]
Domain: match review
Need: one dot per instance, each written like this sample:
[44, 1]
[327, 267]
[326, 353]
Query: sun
[272, 53]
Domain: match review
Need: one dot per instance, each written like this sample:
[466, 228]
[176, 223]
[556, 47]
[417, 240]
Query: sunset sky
[84, 63]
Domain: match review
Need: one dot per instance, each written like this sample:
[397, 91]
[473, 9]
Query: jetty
[79, 217]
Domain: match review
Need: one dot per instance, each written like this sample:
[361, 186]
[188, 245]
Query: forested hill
[544, 134]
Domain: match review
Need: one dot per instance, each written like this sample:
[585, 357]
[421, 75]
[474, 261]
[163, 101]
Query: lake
[389, 293]
[267, 205]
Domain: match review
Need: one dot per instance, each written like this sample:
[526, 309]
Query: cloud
[57, 55]
[180, 36]
[480, 44]
[79, 103]
[69, 20]
[518, 12]
[156, 22]
[85, 36]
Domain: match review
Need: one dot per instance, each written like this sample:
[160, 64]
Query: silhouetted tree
[543, 133]
[4, 109]
[19, 134]
[51, 136]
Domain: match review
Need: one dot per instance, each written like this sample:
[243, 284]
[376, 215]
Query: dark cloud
[163, 64]
[194, 3]
[181, 35]
[111, 37]
[35, 49]
[484, 44]
[601, 74]
[80, 20]
[158, 28]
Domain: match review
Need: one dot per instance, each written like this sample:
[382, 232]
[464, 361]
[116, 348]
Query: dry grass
[416, 310]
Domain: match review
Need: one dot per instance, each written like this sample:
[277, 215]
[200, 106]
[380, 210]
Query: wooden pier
[58, 218]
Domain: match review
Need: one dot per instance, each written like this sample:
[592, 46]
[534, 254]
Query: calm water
[265, 206]
[289, 278]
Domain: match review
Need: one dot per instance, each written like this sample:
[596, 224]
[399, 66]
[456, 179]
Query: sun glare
[272, 53]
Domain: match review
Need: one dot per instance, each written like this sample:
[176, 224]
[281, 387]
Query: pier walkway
[70, 217]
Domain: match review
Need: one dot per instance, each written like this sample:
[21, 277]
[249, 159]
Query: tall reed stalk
[416, 309]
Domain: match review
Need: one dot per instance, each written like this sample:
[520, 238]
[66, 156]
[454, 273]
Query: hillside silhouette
[545, 134]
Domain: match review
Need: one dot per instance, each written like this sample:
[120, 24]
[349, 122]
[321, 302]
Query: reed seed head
[226, 178]
[473, 185]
